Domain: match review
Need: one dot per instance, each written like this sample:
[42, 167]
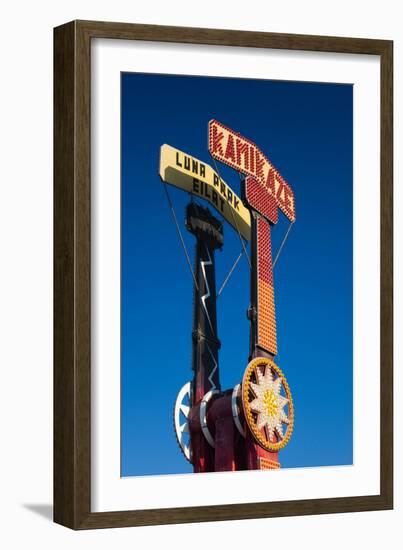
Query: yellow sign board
[198, 178]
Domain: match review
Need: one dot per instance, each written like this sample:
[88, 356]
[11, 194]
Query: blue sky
[305, 129]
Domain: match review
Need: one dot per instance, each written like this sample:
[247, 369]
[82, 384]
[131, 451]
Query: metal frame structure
[241, 428]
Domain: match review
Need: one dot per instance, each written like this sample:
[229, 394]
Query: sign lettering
[198, 178]
[244, 156]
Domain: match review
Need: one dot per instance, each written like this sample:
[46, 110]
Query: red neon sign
[244, 156]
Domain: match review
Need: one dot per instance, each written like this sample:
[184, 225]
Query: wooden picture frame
[72, 270]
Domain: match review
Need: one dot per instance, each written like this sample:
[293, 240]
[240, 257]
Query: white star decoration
[269, 403]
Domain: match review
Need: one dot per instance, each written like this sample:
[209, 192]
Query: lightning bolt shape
[207, 295]
[213, 386]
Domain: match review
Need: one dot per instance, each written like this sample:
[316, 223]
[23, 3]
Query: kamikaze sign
[242, 154]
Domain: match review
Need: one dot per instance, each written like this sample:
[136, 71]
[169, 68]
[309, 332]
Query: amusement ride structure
[245, 427]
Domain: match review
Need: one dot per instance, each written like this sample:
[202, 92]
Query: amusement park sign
[242, 154]
[197, 177]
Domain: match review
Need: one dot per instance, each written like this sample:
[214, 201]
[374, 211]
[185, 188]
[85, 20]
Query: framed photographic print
[222, 276]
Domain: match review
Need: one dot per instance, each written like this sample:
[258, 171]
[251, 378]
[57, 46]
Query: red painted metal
[228, 451]
[202, 453]
[254, 454]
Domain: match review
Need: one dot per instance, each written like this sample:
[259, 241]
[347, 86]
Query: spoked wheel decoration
[267, 404]
[182, 407]
[236, 408]
[203, 416]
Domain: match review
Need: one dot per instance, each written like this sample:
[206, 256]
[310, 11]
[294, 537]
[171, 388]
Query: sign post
[264, 191]
[205, 343]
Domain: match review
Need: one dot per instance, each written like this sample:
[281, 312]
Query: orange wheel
[267, 404]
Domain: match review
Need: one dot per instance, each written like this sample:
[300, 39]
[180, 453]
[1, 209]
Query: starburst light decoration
[267, 404]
